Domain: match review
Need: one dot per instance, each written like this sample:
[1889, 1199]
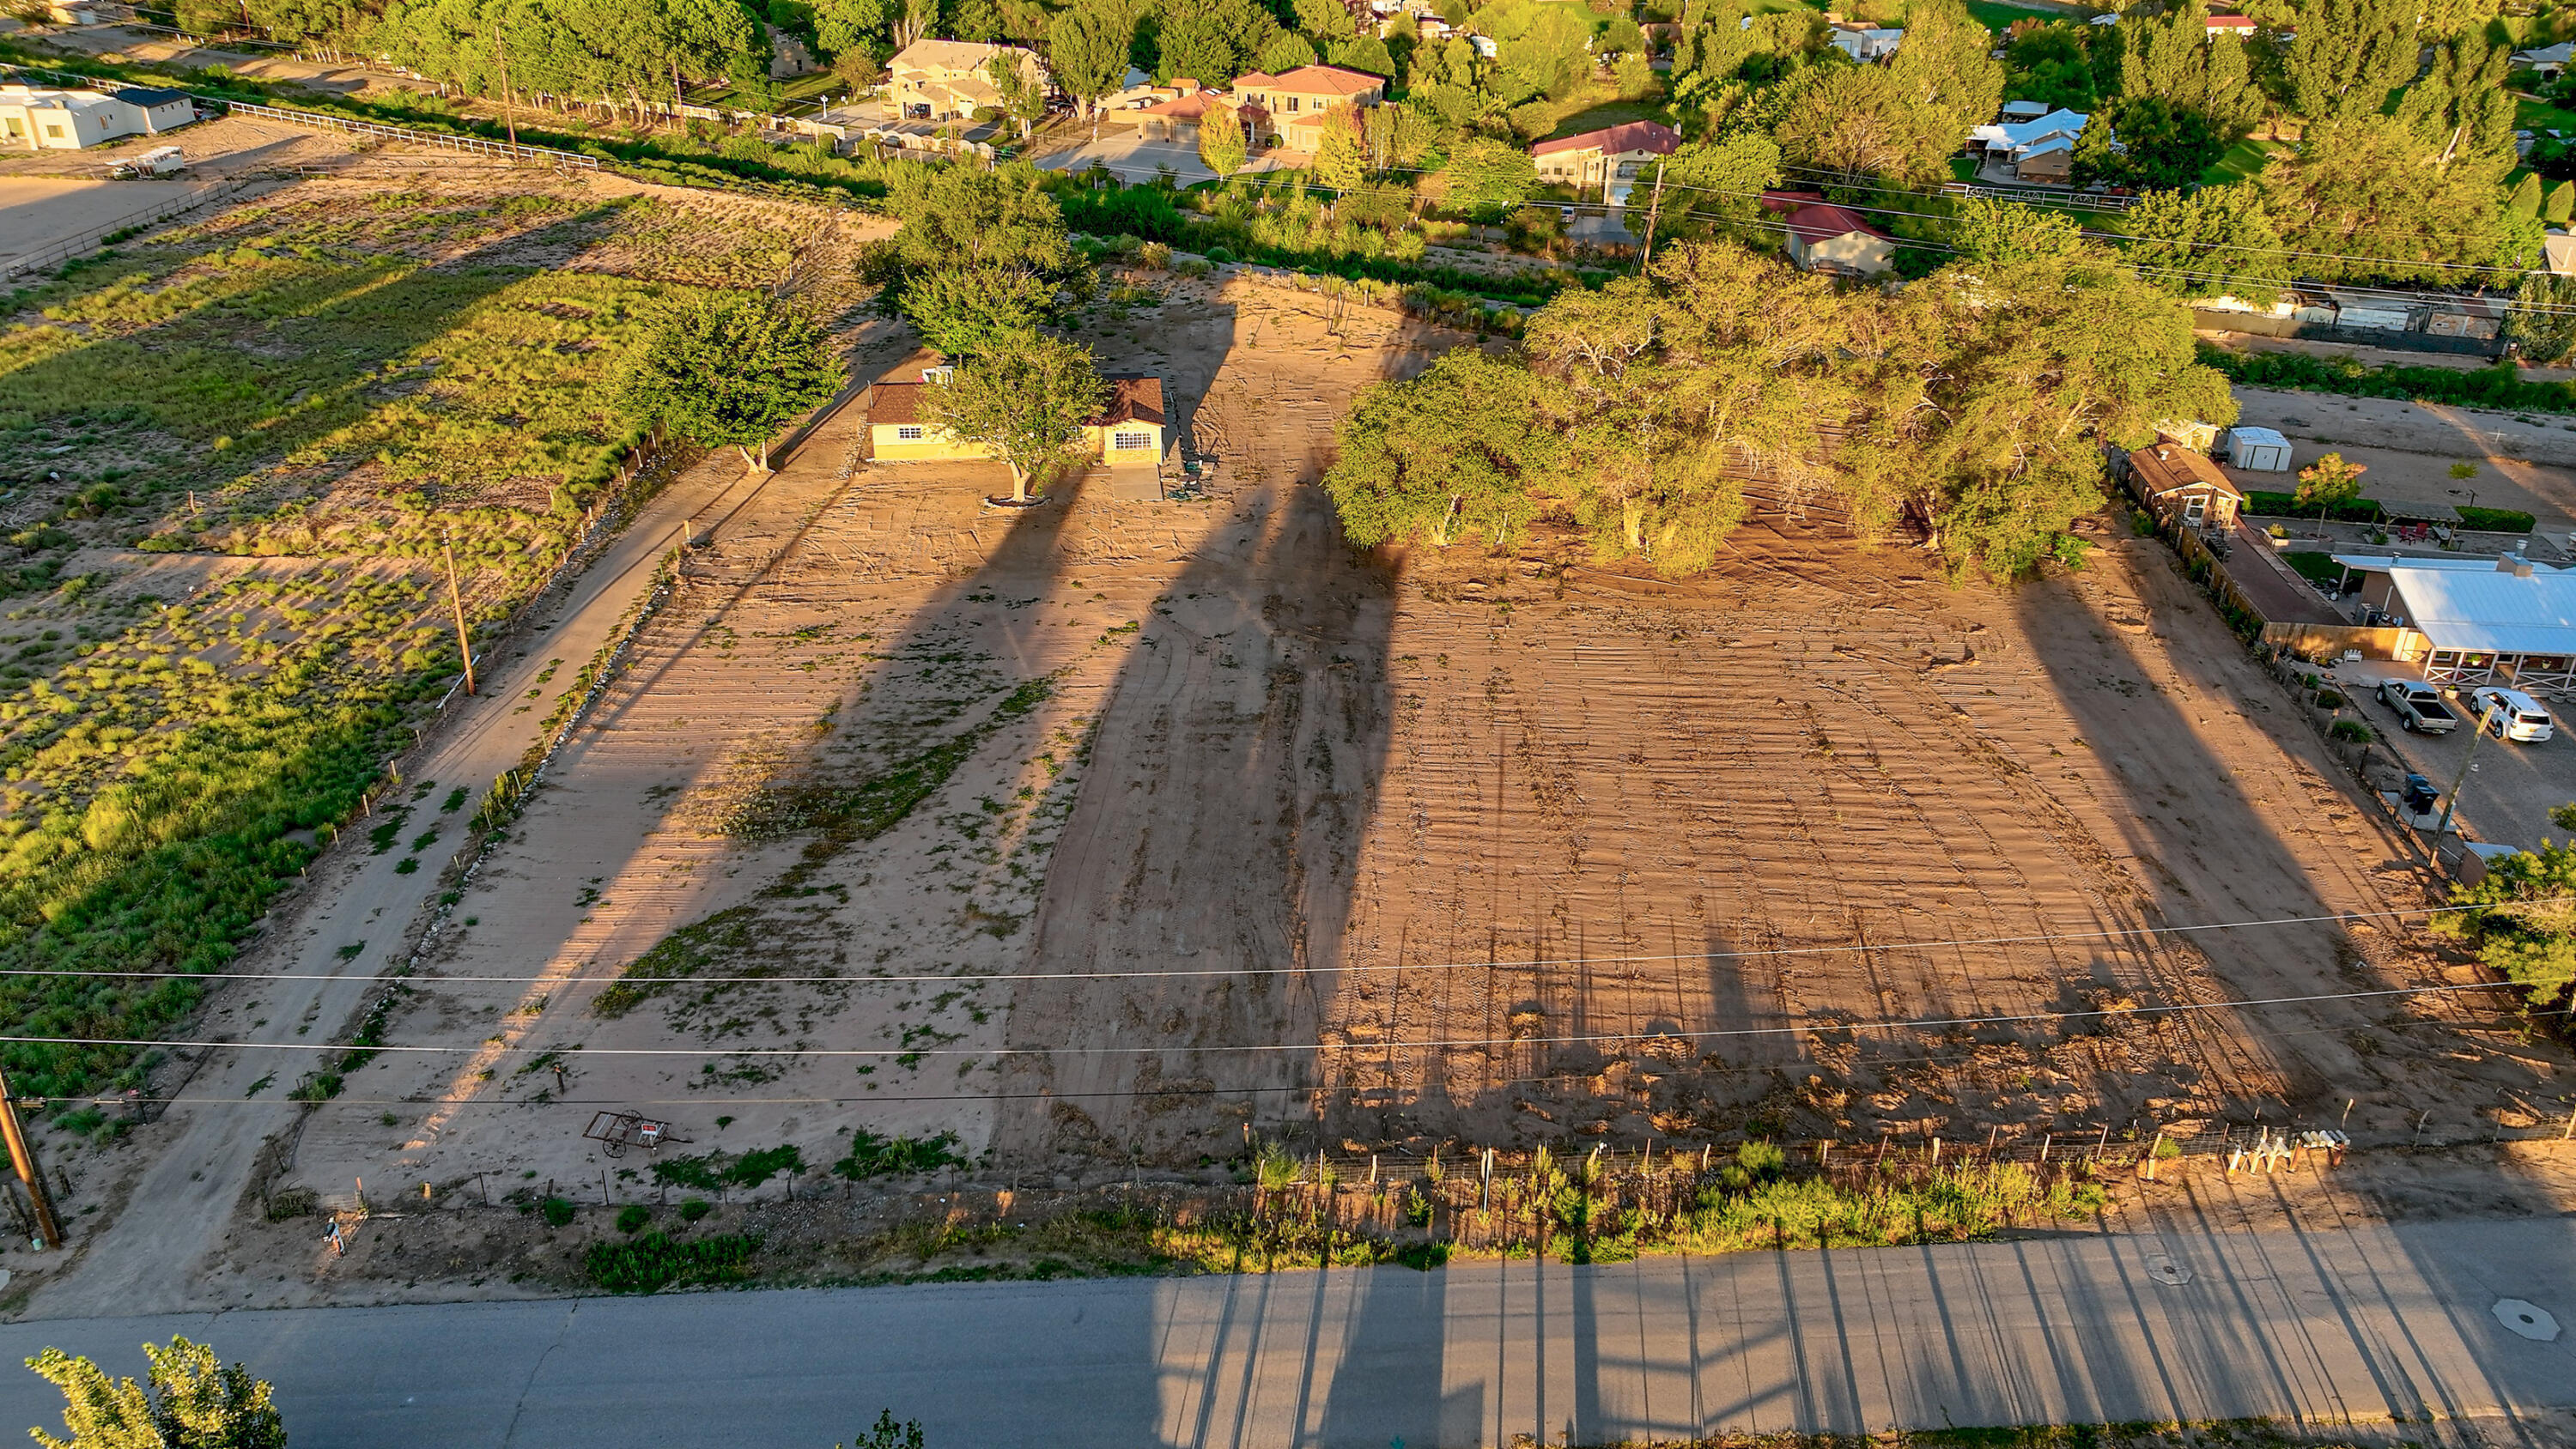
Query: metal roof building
[2482, 619]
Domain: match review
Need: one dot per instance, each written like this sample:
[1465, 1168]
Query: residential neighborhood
[1751, 724]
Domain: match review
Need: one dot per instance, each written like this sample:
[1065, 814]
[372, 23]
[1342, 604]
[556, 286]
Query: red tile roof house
[1178, 118]
[1825, 237]
[1596, 158]
[1294, 108]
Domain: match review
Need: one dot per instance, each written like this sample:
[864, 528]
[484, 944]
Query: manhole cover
[2528, 1319]
[2166, 1271]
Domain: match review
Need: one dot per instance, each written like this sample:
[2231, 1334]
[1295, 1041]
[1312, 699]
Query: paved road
[2360, 1324]
[202, 1157]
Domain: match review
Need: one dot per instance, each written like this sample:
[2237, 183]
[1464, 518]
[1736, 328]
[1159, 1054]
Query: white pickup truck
[2419, 706]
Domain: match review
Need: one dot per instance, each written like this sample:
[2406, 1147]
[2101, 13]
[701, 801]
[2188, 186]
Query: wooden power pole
[509, 103]
[456, 606]
[24, 1160]
[1654, 208]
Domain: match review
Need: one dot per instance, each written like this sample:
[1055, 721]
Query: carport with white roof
[2482, 622]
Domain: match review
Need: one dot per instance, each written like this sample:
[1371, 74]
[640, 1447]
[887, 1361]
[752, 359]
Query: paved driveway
[2510, 788]
[1131, 157]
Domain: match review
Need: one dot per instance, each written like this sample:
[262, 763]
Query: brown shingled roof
[1131, 400]
[2168, 466]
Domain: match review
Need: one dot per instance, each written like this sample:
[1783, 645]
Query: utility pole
[456, 605]
[2477, 727]
[24, 1160]
[509, 105]
[1654, 208]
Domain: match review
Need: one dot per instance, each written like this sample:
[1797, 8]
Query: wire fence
[474, 145]
[2033, 196]
[94, 238]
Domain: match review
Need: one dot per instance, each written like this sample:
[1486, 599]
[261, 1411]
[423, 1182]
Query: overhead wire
[1953, 943]
[487, 1048]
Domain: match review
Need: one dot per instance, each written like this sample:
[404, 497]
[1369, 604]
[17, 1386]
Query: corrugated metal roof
[2475, 563]
[2489, 611]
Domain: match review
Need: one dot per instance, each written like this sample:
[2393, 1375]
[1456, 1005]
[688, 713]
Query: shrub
[1220, 256]
[557, 1211]
[1157, 255]
[695, 1208]
[874, 1156]
[2329, 699]
[2351, 729]
[2496, 520]
[657, 1260]
[633, 1217]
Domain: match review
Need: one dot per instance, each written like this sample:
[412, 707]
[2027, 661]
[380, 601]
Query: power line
[1263, 1048]
[2116, 933]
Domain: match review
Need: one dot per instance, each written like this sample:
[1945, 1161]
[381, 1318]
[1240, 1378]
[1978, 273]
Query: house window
[2194, 508]
[1292, 105]
[1124, 441]
[907, 435]
[54, 131]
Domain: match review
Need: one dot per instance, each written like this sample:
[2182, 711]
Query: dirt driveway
[2524, 461]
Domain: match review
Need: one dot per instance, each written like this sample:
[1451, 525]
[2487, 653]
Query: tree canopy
[191, 1400]
[1973, 405]
[730, 370]
[1026, 399]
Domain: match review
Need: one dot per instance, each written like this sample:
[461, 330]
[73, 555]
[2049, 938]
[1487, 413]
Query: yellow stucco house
[1128, 433]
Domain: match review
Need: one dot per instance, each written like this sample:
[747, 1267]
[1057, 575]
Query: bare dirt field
[1104, 837]
[2525, 461]
[845, 755]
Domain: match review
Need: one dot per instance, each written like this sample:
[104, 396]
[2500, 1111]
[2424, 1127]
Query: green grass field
[2243, 161]
[287, 410]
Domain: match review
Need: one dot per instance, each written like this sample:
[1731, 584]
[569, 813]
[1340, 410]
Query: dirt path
[199, 1156]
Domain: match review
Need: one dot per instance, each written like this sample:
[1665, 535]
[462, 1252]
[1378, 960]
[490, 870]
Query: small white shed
[2259, 449]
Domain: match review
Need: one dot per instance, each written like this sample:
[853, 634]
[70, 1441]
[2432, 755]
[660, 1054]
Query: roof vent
[2513, 564]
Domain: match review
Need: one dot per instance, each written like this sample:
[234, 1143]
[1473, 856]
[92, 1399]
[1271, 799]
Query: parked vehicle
[2513, 715]
[159, 161]
[2419, 706]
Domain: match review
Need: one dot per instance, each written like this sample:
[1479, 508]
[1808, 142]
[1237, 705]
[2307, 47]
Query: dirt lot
[2525, 461]
[729, 811]
[1059, 840]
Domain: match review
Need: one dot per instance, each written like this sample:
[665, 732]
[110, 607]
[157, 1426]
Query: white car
[2510, 714]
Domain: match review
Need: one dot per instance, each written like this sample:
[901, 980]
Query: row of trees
[1972, 406]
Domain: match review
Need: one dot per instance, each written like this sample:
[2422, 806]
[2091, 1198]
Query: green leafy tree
[1221, 143]
[2326, 482]
[1027, 400]
[192, 1401]
[2215, 241]
[1213, 41]
[1487, 177]
[1394, 135]
[1337, 158]
[2160, 144]
[1862, 123]
[1087, 51]
[888, 1434]
[843, 27]
[730, 370]
[2005, 233]
[2348, 57]
[2462, 107]
[1452, 452]
[2053, 65]
[1324, 21]
[2367, 190]
[2525, 200]
[1946, 61]
[1286, 51]
[2172, 58]
[2521, 919]
[1368, 53]
[1996, 390]
[968, 311]
[2543, 320]
[2560, 205]
[1016, 84]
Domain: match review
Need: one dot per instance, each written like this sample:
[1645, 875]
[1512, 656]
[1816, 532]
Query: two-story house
[949, 80]
[1606, 160]
[1292, 110]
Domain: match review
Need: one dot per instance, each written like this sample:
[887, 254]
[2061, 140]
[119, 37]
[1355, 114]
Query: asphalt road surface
[2359, 1324]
